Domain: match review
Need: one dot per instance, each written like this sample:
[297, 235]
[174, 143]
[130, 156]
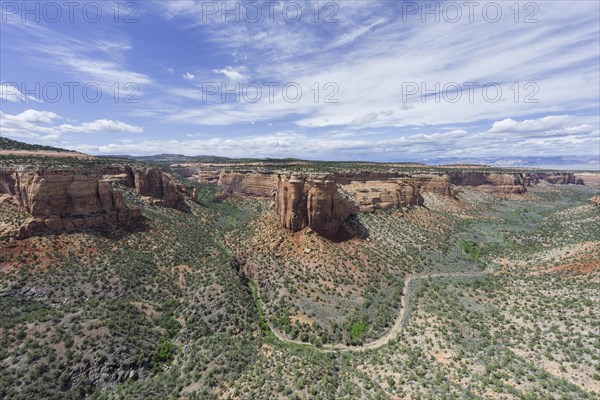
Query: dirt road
[398, 323]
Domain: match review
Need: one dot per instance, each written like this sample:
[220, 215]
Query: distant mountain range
[563, 162]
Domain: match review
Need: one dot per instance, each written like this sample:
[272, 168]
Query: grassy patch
[357, 331]
[471, 249]
[268, 334]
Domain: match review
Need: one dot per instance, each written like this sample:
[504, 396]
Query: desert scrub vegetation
[467, 342]
[117, 317]
[165, 310]
[514, 334]
[314, 290]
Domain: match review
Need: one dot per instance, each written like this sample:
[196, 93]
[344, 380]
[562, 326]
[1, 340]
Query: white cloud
[32, 116]
[97, 58]
[188, 76]
[9, 92]
[170, 70]
[29, 124]
[42, 125]
[229, 73]
[371, 53]
[101, 125]
[241, 55]
[458, 143]
[370, 118]
[351, 36]
[531, 125]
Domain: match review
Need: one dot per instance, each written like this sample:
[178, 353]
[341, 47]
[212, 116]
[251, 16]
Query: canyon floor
[473, 296]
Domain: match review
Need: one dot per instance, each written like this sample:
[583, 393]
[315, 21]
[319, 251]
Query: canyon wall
[510, 183]
[498, 183]
[589, 179]
[560, 178]
[66, 199]
[195, 174]
[257, 184]
[382, 191]
[323, 202]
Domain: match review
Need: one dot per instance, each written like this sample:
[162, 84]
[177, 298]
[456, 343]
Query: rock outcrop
[381, 191]
[63, 200]
[323, 202]
[498, 183]
[559, 178]
[198, 175]
[153, 182]
[510, 183]
[248, 183]
[589, 179]
[311, 201]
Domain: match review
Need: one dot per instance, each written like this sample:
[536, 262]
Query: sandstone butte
[66, 199]
[323, 202]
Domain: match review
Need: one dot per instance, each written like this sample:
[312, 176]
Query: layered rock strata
[560, 178]
[323, 202]
[311, 201]
[497, 183]
[63, 200]
[257, 184]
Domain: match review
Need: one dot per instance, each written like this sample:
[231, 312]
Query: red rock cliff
[560, 178]
[248, 183]
[312, 201]
[62, 200]
[497, 183]
[323, 202]
[153, 182]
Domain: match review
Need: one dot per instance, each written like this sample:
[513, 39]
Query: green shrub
[164, 352]
[471, 249]
[357, 330]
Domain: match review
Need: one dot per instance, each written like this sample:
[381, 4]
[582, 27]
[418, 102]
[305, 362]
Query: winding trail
[400, 321]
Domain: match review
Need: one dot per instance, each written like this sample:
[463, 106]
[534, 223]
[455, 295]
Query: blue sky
[382, 81]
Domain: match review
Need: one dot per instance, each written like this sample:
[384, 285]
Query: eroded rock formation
[63, 200]
[153, 182]
[589, 178]
[510, 183]
[323, 202]
[560, 178]
[382, 191]
[497, 183]
[311, 201]
[256, 184]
